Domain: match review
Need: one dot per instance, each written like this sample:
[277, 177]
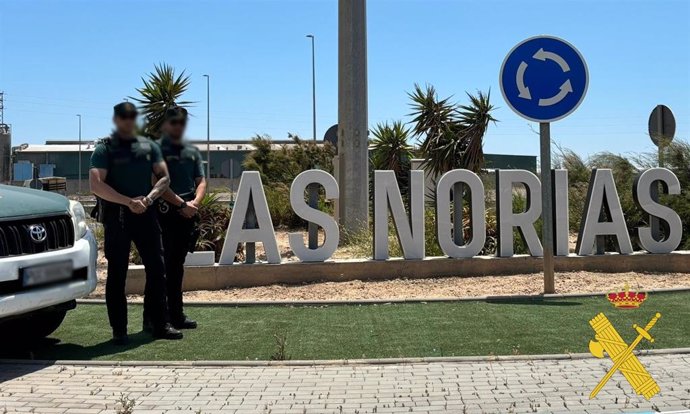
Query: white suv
[47, 260]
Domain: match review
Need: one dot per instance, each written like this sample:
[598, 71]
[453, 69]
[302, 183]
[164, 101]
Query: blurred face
[125, 125]
[174, 128]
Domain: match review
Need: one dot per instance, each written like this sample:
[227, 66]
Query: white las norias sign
[409, 225]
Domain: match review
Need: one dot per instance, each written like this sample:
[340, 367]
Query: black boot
[167, 332]
[146, 326]
[120, 338]
[184, 323]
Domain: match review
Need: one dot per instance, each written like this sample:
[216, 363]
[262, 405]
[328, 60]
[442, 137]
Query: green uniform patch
[185, 165]
[129, 164]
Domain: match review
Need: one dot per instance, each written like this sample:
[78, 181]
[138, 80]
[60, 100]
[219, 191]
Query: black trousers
[122, 227]
[177, 237]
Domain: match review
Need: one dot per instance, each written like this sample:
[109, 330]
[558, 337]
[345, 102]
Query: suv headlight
[78, 219]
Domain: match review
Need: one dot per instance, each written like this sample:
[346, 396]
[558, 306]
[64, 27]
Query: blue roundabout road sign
[544, 78]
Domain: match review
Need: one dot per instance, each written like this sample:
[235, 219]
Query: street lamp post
[313, 85]
[79, 174]
[313, 191]
[208, 127]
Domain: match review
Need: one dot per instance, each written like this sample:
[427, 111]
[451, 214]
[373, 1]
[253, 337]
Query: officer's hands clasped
[189, 210]
[137, 206]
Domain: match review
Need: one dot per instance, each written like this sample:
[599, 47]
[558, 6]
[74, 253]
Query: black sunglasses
[128, 117]
[177, 122]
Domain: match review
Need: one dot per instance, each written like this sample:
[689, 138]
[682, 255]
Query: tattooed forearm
[162, 182]
[160, 187]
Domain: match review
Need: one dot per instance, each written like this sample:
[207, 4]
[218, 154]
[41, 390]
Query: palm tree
[161, 91]
[390, 149]
[451, 135]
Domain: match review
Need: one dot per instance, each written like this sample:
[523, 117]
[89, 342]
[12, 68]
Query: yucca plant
[161, 91]
[474, 119]
[451, 135]
[389, 148]
[433, 123]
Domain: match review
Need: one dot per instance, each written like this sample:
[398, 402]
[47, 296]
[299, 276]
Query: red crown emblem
[627, 299]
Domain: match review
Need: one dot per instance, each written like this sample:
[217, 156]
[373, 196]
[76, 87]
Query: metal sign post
[544, 79]
[662, 128]
[547, 206]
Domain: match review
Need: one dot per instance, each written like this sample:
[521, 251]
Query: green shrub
[519, 206]
[281, 165]
[625, 170]
[361, 244]
[278, 199]
[134, 257]
[677, 159]
[624, 173]
[214, 217]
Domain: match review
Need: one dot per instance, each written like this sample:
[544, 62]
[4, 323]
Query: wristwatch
[148, 201]
[183, 204]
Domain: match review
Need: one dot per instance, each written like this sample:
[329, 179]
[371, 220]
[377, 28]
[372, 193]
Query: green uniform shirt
[129, 164]
[185, 165]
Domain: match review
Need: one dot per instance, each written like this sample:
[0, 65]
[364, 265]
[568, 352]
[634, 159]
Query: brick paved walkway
[456, 387]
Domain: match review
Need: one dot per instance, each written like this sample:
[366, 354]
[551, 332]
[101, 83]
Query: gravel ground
[577, 282]
[447, 287]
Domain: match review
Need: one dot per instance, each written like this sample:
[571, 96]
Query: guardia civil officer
[177, 211]
[121, 176]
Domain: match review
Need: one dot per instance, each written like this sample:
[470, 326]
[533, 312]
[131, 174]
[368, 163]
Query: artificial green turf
[371, 331]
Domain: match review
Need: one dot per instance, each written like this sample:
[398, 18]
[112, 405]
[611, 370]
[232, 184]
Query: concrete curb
[334, 362]
[242, 303]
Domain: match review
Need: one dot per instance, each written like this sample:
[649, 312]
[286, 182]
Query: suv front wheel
[36, 325]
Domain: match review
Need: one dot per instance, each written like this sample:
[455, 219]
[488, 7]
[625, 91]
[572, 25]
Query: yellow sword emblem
[608, 340]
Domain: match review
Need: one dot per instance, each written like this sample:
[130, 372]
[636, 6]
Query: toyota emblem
[38, 233]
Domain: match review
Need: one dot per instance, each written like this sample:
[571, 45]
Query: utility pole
[79, 174]
[208, 127]
[353, 136]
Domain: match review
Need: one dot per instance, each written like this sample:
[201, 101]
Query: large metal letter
[602, 196]
[524, 221]
[250, 188]
[669, 219]
[410, 230]
[312, 215]
[478, 220]
[561, 214]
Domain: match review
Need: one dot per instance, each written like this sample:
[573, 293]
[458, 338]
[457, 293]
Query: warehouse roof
[216, 145]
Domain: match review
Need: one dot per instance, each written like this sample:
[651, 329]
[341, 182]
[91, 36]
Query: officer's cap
[176, 113]
[125, 110]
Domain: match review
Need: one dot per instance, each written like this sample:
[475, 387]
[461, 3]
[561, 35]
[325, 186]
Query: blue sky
[58, 59]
